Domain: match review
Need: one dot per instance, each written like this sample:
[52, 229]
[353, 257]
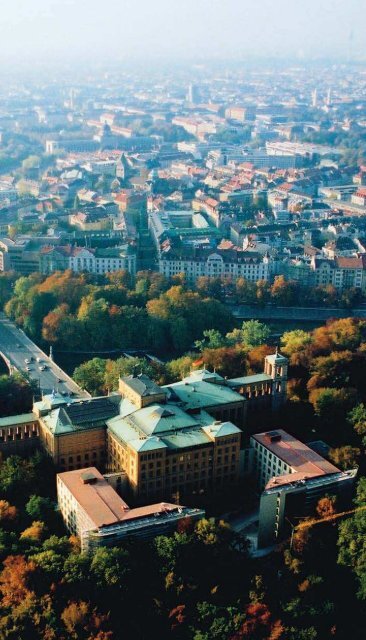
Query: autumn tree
[326, 507]
[16, 580]
[346, 457]
[284, 292]
[8, 513]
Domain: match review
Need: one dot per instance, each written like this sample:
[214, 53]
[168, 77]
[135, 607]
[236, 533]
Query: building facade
[166, 449]
[230, 264]
[291, 477]
[93, 510]
[78, 259]
[74, 433]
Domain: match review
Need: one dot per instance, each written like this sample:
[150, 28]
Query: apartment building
[228, 263]
[342, 272]
[291, 477]
[61, 258]
[93, 510]
[20, 255]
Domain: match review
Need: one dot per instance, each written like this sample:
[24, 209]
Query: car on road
[39, 359]
[28, 368]
[42, 367]
[27, 361]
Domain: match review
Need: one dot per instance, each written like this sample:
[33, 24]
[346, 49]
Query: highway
[16, 348]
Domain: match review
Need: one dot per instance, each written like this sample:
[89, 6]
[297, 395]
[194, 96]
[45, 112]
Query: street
[16, 348]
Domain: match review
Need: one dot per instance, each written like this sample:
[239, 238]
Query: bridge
[21, 354]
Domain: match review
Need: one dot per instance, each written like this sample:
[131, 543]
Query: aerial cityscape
[183, 320]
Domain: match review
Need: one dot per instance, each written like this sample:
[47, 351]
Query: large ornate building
[185, 438]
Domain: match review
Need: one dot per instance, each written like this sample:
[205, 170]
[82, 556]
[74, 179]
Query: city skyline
[60, 30]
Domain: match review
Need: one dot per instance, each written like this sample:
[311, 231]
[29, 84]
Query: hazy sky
[176, 28]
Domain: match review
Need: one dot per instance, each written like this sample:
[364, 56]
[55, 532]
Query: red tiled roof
[352, 262]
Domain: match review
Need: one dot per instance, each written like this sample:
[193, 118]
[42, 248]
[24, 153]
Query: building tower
[276, 366]
[193, 95]
[314, 98]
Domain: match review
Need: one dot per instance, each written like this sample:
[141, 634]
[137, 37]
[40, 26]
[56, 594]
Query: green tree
[352, 540]
[212, 339]
[252, 334]
[91, 375]
[357, 418]
[16, 478]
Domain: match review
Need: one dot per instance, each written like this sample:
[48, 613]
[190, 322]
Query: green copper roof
[197, 393]
[12, 421]
[259, 377]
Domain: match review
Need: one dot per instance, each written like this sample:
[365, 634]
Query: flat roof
[98, 499]
[294, 453]
[101, 502]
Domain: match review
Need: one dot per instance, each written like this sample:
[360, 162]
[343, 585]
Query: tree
[352, 540]
[228, 361]
[35, 532]
[246, 291]
[326, 507]
[32, 162]
[254, 333]
[40, 508]
[212, 533]
[332, 406]
[338, 369]
[357, 418]
[212, 339]
[16, 477]
[123, 367]
[346, 457]
[8, 513]
[16, 580]
[16, 395]
[180, 368]
[256, 357]
[82, 622]
[284, 292]
[91, 375]
[295, 344]
[346, 333]
[259, 625]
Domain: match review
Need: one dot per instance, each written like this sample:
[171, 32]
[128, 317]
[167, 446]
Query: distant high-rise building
[314, 98]
[72, 99]
[193, 95]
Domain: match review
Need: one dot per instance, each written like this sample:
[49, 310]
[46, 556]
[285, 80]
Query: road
[16, 347]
